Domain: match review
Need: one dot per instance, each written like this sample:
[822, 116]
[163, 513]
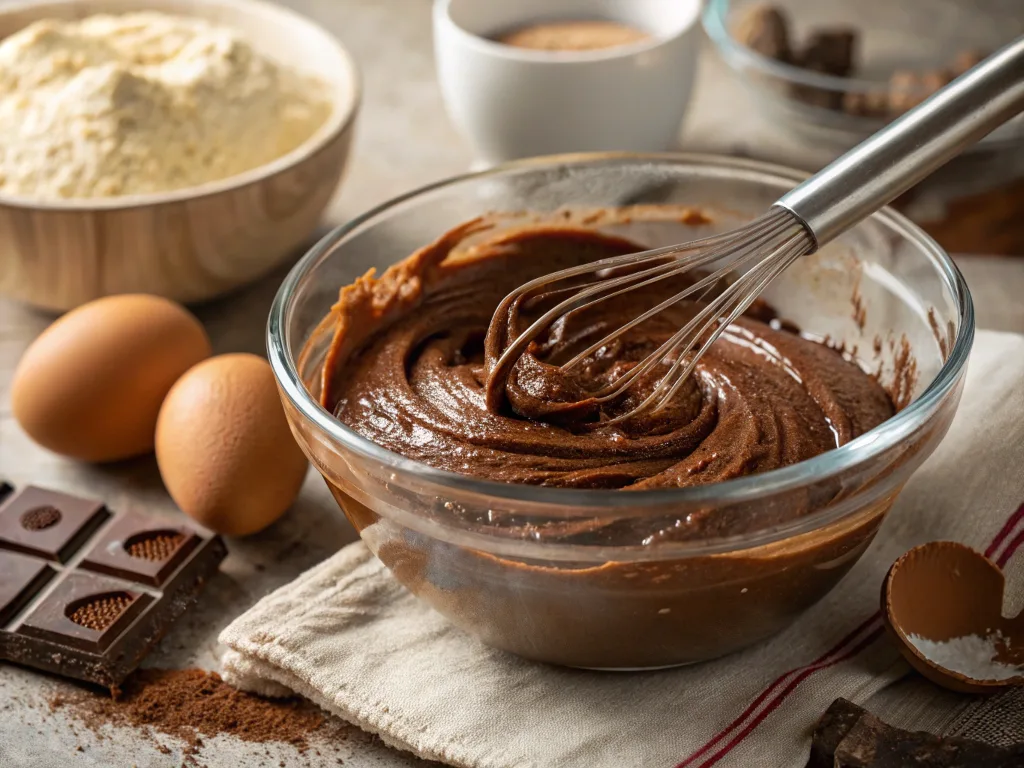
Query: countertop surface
[403, 140]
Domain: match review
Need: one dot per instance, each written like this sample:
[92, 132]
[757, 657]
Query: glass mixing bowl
[475, 549]
[916, 36]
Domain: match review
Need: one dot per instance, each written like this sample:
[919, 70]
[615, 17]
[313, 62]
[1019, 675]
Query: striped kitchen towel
[349, 637]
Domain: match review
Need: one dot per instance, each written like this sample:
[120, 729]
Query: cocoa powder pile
[191, 703]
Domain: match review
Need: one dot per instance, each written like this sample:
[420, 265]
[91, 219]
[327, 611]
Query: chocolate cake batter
[760, 399]
[407, 369]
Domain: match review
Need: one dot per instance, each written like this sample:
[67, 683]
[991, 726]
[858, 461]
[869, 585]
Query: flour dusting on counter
[142, 103]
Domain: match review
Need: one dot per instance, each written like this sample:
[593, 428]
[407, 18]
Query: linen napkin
[349, 637]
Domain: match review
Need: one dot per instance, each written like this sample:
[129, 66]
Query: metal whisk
[800, 222]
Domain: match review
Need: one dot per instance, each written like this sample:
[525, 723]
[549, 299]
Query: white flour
[143, 102]
[971, 655]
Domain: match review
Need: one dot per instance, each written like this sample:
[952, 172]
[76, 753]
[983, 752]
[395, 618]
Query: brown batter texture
[407, 370]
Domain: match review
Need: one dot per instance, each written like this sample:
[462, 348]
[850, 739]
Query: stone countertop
[403, 140]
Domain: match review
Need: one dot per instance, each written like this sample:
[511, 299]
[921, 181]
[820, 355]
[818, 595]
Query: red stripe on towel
[779, 690]
[1011, 523]
[822, 661]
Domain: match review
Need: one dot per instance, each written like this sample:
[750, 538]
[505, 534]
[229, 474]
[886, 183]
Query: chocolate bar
[848, 736]
[86, 592]
[832, 728]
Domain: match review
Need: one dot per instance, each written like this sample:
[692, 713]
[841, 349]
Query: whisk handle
[910, 148]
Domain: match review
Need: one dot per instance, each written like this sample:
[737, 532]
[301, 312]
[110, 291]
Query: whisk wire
[679, 268]
[771, 242]
[713, 315]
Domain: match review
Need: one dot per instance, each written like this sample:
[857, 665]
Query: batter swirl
[407, 370]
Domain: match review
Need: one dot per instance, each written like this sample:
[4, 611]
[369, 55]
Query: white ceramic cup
[513, 102]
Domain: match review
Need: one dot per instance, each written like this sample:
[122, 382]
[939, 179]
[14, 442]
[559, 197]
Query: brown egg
[224, 448]
[90, 387]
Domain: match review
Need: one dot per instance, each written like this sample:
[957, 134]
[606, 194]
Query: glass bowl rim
[713, 19]
[738, 56]
[743, 489]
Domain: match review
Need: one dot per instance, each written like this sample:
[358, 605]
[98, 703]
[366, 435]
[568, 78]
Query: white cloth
[349, 637]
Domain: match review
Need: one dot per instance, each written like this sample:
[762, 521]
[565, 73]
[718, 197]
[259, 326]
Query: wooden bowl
[196, 243]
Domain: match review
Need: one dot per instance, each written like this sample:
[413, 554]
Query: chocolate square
[85, 611]
[140, 548]
[75, 621]
[21, 579]
[49, 524]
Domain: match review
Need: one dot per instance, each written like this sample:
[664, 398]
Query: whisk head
[728, 273]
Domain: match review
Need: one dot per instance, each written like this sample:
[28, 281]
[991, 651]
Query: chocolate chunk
[833, 51]
[21, 578]
[132, 548]
[90, 626]
[908, 89]
[866, 104]
[85, 611]
[830, 51]
[831, 730]
[5, 490]
[850, 737]
[765, 29]
[49, 524]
